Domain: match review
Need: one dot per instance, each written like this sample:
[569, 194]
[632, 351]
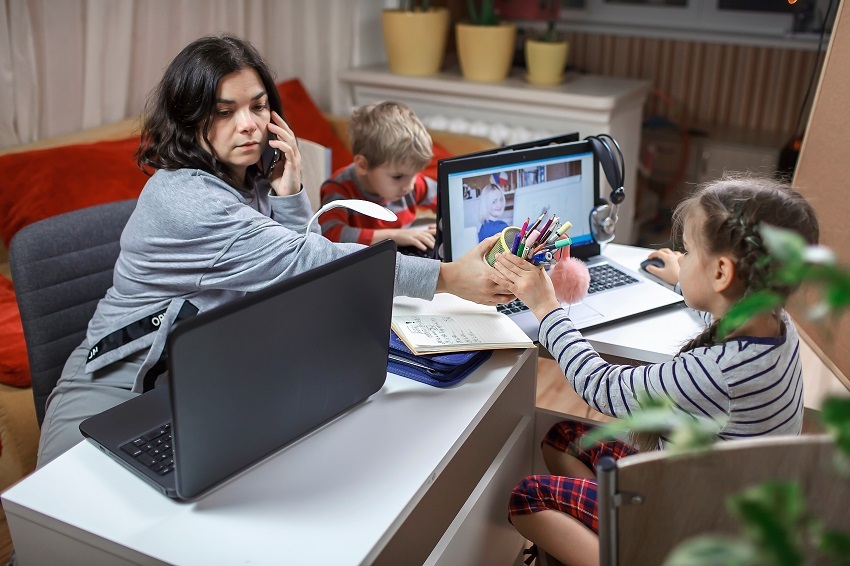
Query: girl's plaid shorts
[575, 496]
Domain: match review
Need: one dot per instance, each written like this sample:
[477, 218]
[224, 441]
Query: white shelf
[513, 110]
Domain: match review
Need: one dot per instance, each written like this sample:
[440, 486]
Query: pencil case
[439, 370]
[503, 244]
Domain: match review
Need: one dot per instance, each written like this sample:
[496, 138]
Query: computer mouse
[657, 262]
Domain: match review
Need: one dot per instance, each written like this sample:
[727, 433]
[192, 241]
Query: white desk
[414, 475]
[382, 484]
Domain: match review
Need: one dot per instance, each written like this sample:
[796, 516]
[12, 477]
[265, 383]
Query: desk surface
[335, 497]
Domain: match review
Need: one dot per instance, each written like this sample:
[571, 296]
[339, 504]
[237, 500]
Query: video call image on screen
[486, 201]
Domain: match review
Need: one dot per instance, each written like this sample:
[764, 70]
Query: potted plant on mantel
[546, 56]
[415, 37]
[485, 46]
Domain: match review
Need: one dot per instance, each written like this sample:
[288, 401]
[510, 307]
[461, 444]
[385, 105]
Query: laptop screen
[481, 195]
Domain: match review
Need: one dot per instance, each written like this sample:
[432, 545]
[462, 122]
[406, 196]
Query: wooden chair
[650, 503]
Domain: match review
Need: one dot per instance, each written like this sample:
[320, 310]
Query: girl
[750, 382]
[214, 222]
[492, 207]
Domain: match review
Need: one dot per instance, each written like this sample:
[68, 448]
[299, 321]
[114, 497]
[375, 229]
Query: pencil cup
[504, 243]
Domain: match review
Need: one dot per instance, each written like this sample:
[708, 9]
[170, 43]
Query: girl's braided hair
[733, 208]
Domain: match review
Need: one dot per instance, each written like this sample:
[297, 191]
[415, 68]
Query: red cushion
[439, 153]
[14, 367]
[308, 122]
[47, 182]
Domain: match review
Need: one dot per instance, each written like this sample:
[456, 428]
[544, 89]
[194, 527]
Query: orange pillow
[43, 183]
[308, 122]
[14, 366]
[439, 153]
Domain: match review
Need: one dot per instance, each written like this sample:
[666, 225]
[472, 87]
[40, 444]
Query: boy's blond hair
[389, 132]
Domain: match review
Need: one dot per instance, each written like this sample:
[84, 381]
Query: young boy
[391, 147]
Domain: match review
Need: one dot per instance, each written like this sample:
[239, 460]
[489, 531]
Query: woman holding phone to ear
[213, 222]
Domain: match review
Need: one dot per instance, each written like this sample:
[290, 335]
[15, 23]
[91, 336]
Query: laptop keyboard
[153, 449]
[602, 278]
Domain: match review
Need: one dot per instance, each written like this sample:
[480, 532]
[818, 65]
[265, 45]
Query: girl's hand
[529, 283]
[670, 272]
[286, 176]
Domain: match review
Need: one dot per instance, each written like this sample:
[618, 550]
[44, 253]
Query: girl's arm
[693, 382]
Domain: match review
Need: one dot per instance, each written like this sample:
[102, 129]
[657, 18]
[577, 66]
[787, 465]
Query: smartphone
[269, 159]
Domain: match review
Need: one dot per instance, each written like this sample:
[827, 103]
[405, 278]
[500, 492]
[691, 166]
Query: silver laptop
[250, 377]
[557, 179]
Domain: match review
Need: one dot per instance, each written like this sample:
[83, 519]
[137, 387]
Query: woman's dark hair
[733, 208]
[184, 101]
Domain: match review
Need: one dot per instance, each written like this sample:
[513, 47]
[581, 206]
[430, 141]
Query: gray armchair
[62, 266]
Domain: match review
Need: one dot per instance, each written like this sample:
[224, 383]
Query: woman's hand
[420, 238]
[528, 282]
[286, 176]
[468, 277]
[670, 272]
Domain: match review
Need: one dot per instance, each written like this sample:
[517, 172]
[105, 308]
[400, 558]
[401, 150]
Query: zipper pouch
[439, 370]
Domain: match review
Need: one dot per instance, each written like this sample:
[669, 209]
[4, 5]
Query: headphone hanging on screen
[603, 218]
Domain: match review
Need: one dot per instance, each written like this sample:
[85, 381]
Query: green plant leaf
[835, 416]
[784, 245]
[482, 12]
[773, 513]
[685, 432]
[748, 307]
[715, 551]
[836, 545]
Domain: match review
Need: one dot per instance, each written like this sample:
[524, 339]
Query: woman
[214, 222]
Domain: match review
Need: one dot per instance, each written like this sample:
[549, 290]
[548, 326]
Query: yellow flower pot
[485, 53]
[415, 42]
[545, 61]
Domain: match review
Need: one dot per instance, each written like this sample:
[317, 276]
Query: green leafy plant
[657, 416]
[550, 35]
[482, 12]
[776, 527]
[796, 264]
[411, 5]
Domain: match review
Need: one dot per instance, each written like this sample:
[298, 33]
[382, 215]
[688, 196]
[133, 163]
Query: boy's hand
[670, 272]
[468, 277]
[420, 238]
[528, 282]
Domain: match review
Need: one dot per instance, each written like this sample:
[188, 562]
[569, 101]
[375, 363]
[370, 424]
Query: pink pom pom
[571, 280]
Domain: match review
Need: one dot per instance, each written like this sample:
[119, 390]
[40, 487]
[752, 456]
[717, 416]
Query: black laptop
[252, 376]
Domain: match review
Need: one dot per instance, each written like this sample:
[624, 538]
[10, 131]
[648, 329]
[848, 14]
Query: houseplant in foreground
[415, 37]
[776, 526]
[485, 45]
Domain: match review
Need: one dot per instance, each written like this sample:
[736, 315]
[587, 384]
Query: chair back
[315, 169]
[650, 503]
[61, 267]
